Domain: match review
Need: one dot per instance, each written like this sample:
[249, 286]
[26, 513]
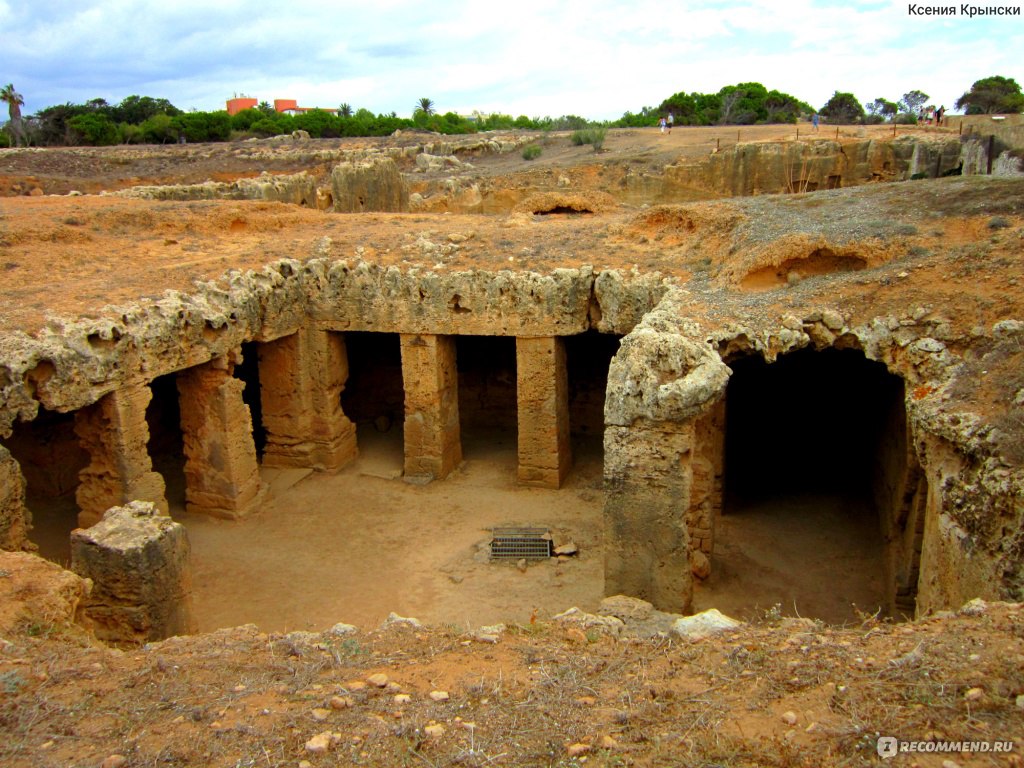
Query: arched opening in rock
[50, 456]
[818, 478]
[488, 408]
[588, 356]
[562, 210]
[374, 398]
[820, 261]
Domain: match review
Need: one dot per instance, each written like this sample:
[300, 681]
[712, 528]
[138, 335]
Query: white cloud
[596, 58]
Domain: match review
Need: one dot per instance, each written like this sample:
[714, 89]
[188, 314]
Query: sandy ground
[356, 546]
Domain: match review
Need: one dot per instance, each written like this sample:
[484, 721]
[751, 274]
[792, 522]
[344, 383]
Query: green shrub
[531, 151]
[998, 222]
[593, 136]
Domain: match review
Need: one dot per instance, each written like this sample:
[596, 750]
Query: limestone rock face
[773, 167]
[15, 519]
[375, 184]
[371, 297]
[662, 375]
[295, 189]
[138, 562]
[37, 593]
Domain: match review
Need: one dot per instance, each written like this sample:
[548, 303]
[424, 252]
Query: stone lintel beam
[114, 432]
[301, 380]
[542, 391]
[221, 470]
[138, 561]
[433, 446]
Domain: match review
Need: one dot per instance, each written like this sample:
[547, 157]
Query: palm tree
[345, 110]
[15, 101]
[426, 106]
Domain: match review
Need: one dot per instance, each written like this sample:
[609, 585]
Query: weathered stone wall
[70, 364]
[707, 467]
[295, 189]
[806, 166]
[898, 493]
[374, 184]
[367, 297]
[138, 561]
[15, 519]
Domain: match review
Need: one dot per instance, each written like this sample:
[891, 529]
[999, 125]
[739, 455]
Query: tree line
[148, 120]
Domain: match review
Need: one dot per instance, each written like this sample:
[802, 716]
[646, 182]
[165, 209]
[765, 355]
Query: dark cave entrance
[50, 456]
[488, 403]
[374, 399]
[249, 372]
[166, 442]
[588, 357]
[815, 456]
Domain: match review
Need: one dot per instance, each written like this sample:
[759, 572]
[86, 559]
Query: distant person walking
[814, 122]
[661, 124]
[669, 122]
[939, 113]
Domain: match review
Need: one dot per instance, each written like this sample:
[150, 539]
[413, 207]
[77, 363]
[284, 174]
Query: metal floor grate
[520, 544]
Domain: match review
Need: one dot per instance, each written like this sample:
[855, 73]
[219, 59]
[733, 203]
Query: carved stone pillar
[221, 470]
[114, 432]
[433, 446]
[301, 379]
[542, 392]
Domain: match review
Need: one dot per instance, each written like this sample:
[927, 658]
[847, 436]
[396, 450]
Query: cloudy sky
[595, 58]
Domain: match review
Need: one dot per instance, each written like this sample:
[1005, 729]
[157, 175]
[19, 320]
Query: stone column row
[301, 380]
[432, 437]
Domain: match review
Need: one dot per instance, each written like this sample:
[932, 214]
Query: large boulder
[138, 561]
[374, 184]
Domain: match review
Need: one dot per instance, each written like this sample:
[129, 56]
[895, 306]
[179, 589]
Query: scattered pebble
[319, 743]
[439, 696]
[789, 717]
[378, 680]
[973, 694]
[434, 731]
[341, 702]
[320, 714]
[114, 761]
[402, 698]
